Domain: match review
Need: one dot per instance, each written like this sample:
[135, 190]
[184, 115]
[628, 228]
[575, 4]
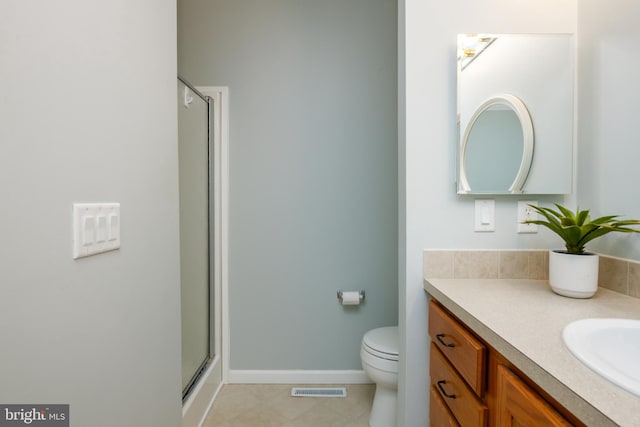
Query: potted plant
[574, 272]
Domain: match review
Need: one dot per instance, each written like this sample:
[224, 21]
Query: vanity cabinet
[458, 368]
[474, 385]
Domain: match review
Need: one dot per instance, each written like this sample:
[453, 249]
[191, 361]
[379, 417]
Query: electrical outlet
[526, 212]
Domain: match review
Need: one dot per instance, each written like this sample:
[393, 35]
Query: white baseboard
[238, 376]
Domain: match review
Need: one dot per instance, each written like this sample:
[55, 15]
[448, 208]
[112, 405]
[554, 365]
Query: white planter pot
[574, 276]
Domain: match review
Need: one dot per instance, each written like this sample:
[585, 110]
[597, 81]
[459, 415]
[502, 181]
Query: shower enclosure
[196, 233]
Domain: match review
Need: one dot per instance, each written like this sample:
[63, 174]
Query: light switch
[114, 227]
[88, 230]
[485, 215]
[101, 228]
[96, 228]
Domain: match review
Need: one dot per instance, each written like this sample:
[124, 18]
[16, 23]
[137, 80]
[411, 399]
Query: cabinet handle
[446, 344]
[439, 384]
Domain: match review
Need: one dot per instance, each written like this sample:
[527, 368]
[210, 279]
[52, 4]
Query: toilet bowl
[379, 356]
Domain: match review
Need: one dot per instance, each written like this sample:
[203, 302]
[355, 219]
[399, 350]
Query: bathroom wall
[313, 171]
[434, 217]
[609, 104]
[88, 115]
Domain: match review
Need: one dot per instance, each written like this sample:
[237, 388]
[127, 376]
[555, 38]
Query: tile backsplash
[616, 274]
[620, 275]
[468, 264]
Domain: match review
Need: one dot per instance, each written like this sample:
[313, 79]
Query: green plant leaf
[626, 222]
[604, 219]
[573, 234]
[582, 217]
[566, 212]
[577, 228]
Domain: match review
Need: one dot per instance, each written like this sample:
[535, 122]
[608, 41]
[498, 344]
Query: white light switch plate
[96, 228]
[485, 215]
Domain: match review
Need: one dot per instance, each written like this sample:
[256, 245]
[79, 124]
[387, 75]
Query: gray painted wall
[609, 98]
[313, 170]
[88, 115]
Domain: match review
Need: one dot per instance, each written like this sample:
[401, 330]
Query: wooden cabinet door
[520, 406]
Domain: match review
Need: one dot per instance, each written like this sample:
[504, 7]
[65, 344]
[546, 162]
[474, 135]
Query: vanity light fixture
[468, 53]
[472, 46]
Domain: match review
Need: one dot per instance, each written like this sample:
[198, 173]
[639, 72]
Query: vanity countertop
[524, 319]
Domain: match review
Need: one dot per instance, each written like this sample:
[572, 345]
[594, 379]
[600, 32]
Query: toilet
[379, 356]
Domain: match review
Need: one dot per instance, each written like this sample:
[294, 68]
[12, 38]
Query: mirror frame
[521, 111]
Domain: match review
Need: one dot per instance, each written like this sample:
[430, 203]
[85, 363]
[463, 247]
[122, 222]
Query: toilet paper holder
[361, 296]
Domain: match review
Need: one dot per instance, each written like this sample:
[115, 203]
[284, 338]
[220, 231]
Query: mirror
[501, 130]
[515, 113]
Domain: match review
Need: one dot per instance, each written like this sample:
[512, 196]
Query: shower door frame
[190, 93]
[198, 403]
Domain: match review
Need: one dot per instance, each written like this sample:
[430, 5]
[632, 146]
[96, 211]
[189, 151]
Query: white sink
[610, 347]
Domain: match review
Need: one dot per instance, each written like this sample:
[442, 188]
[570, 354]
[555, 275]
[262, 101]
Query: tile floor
[249, 405]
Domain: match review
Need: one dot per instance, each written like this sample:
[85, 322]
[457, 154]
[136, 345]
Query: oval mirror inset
[497, 147]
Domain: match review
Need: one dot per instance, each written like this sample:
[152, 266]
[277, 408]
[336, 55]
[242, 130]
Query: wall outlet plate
[526, 212]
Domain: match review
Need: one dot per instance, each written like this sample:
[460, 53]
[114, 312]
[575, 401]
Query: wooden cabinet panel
[462, 349]
[474, 385]
[439, 413]
[454, 391]
[518, 405]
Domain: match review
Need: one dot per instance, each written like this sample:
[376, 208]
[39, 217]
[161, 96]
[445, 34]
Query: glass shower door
[193, 154]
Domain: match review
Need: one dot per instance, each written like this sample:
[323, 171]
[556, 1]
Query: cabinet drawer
[456, 394]
[463, 350]
[439, 413]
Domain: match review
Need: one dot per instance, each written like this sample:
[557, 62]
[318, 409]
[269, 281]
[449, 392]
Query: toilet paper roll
[351, 298]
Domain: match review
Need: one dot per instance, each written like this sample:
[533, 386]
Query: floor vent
[318, 392]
